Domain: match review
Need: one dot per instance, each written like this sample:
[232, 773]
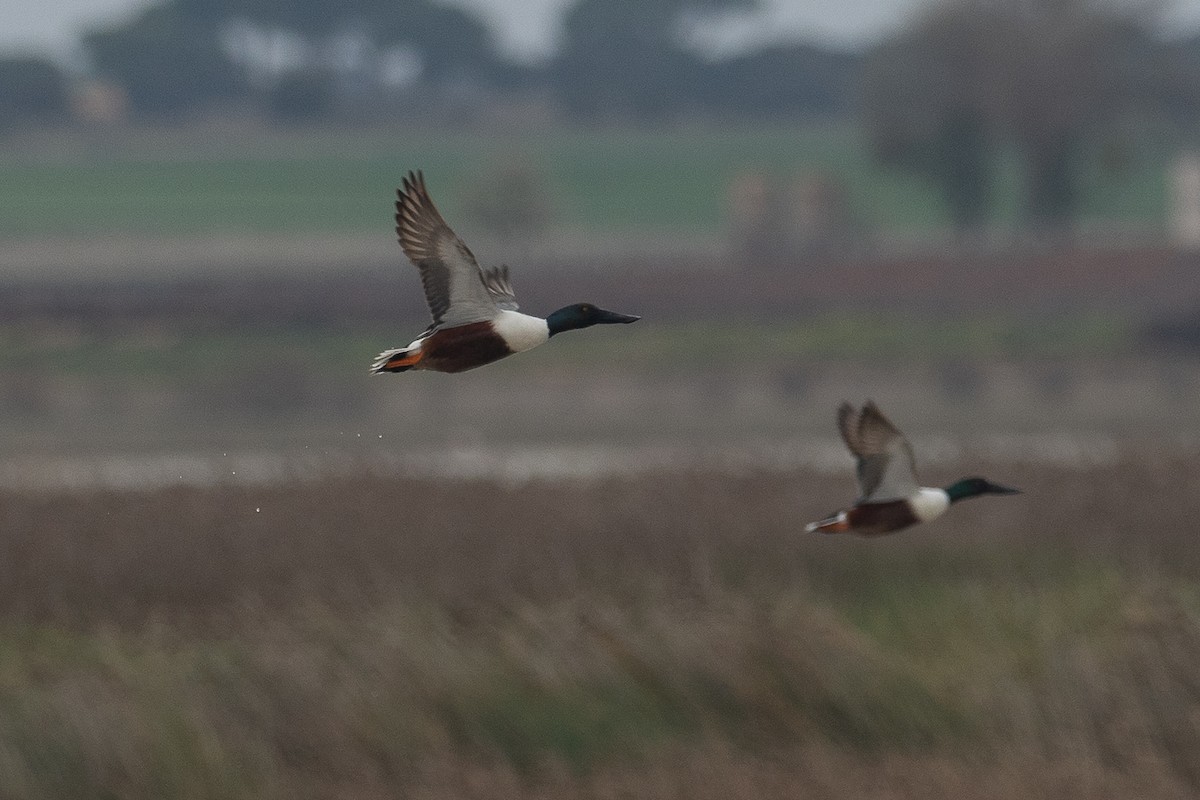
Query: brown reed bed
[668, 635]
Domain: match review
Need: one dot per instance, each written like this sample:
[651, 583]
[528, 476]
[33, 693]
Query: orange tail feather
[397, 360]
[838, 523]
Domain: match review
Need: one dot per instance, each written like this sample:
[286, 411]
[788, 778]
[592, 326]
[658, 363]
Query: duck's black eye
[585, 309]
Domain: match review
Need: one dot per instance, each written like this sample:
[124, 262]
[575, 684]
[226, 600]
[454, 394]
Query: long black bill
[995, 488]
[611, 317]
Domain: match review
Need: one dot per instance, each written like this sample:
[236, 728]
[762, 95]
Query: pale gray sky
[526, 27]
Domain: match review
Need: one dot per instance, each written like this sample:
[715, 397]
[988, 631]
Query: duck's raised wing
[886, 470]
[454, 286]
[499, 286]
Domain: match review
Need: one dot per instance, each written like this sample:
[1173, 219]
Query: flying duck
[475, 316]
[891, 498]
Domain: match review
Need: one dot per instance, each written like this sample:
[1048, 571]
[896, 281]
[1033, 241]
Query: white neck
[929, 504]
[521, 331]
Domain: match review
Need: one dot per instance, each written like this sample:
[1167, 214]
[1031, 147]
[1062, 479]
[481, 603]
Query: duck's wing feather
[886, 469]
[454, 285]
[500, 287]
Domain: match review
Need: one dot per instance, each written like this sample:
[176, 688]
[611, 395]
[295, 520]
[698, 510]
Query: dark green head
[584, 315]
[973, 487]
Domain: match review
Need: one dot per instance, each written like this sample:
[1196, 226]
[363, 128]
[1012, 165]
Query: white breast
[521, 331]
[929, 504]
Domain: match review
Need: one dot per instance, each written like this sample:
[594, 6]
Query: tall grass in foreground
[672, 635]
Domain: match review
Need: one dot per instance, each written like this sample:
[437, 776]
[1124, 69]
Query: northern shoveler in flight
[891, 498]
[475, 317]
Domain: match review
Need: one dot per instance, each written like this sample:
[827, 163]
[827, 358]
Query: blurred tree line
[963, 85]
[312, 59]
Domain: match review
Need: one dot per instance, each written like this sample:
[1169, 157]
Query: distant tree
[31, 90]
[779, 81]
[962, 165]
[1177, 79]
[452, 44]
[302, 96]
[1039, 75]
[628, 57]
[168, 60]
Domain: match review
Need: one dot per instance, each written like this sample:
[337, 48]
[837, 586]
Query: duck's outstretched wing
[500, 287]
[886, 469]
[454, 285]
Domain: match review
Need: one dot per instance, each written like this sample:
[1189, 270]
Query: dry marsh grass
[672, 635]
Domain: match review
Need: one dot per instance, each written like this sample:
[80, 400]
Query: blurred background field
[603, 181]
[233, 564]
